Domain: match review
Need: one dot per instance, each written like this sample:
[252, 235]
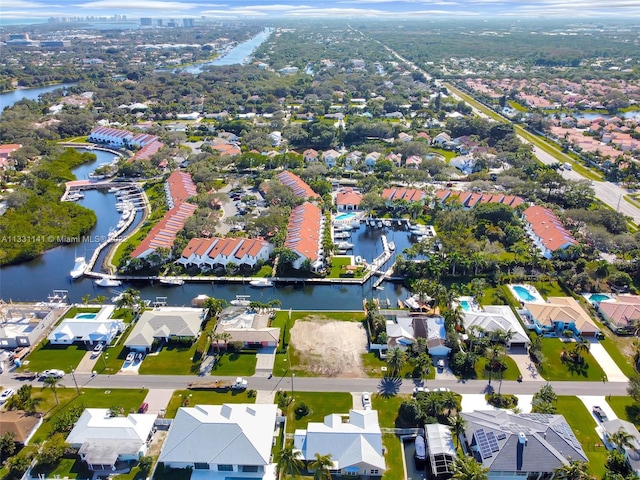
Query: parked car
[441, 389]
[418, 390]
[4, 396]
[52, 374]
[366, 400]
[98, 348]
[599, 412]
[440, 365]
[143, 408]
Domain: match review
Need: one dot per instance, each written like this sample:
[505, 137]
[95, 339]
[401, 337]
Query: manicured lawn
[47, 356]
[373, 365]
[511, 373]
[128, 399]
[549, 289]
[625, 408]
[67, 467]
[241, 364]
[173, 359]
[387, 408]
[320, 405]
[393, 457]
[554, 369]
[613, 349]
[583, 426]
[73, 311]
[204, 397]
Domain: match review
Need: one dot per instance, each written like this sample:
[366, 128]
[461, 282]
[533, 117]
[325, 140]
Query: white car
[4, 396]
[52, 373]
[418, 390]
[366, 401]
[441, 389]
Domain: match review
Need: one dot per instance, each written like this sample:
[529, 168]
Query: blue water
[7, 99]
[523, 293]
[346, 216]
[599, 297]
[86, 315]
[465, 305]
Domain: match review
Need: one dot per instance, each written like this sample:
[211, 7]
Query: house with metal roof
[632, 451]
[164, 324]
[108, 443]
[354, 442]
[497, 317]
[223, 441]
[524, 445]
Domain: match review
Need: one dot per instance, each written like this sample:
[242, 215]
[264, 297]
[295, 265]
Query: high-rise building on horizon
[146, 22]
[188, 22]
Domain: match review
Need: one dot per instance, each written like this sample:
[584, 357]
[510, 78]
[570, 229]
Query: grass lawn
[73, 311]
[373, 365]
[204, 397]
[128, 399]
[387, 408]
[549, 289]
[554, 369]
[320, 405]
[241, 364]
[67, 467]
[393, 457]
[47, 356]
[336, 266]
[626, 408]
[583, 426]
[173, 359]
[511, 373]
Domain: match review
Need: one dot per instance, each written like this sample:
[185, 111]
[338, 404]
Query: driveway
[476, 401]
[158, 399]
[88, 362]
[611, 369]
[527, 368]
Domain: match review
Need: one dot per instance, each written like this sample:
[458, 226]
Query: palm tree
[225, 337]
[574, 470]
[289, 462]
[603, 268]
[423, 363]
[621, 439]
[458, 425]
[395, 361]
[467, 468]
[449, 402]
[214, 337]
[52, 383]
[322, 467]
[582, 346]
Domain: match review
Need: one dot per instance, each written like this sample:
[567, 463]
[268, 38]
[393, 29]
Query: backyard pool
[598, 297]
[465, 305]
[87, 316]
[345, 216]
[523, 293]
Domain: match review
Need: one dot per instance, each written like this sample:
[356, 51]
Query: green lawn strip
[623, 362]
[373, 365]
[134, 474]
[393, 457]
[387, 408]
[554, 369]
[265, 271]
[625, 408]
[337, 263]
[204, 397]
[128, 399]
[320, 404]
[549, 289]
[242, 364]
[475, 104]
[47, 356]
[73, 311]
[446, 154]
[517, 106]
[583, 426]
[511, 373]
[173, 359]
[67, 467]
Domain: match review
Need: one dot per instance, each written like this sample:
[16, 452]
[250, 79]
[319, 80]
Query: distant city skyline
[11, 10]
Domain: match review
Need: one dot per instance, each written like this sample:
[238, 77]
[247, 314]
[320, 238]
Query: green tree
[621, 439]
[321, 467]
[7, 446]
[396, 359]
[52, 383]
[290, 462]
[17, 465]
[458, 425]
[53, 449]
[467, 468]
[574, 470]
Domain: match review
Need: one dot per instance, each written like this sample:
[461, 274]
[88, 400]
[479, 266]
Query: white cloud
[139, 5]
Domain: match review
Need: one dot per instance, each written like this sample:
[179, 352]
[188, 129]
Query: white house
[371, 159]
[221, 441]
[164, 324]
[330, 158]
[310, 155]
[466, 164]
[209, 252]
[88, 328]
[22, 325]
[498, 317]
[109, 443]
[120, 138]
[355, 445]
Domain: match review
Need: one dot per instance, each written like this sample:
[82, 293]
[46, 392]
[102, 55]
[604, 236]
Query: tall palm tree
[52, 383]
[574, 470]
[582, 346]
[458, 425]
[395, 361]
[603, 268]
[449, 402]
[289, 462]
[321, 467]
[225, 337]
[621, 439]
[467, 468]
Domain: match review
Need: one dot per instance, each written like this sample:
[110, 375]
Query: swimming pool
[86, 316]
[346, 216]
[523, 293]
[599, 297]
[465, 305]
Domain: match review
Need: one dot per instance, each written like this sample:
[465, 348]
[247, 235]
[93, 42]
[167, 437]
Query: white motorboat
[113, 190]
[78, 268]
[108, 282]
[420, 448]
[261, 283]
[199, 300]
[241, 301]
[387, 223]
[392, 246]
[75, 196]
[341, 235]
[172, 282]
[345, 245]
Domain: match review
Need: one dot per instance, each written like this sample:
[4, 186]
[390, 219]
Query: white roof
[240, 434]
[163, 322]
[95, 423]
[497, 317]
[86, 330]
[356, 442]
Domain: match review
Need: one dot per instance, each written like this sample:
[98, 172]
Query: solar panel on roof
[501, 436]
[493, 442]
[483, 443]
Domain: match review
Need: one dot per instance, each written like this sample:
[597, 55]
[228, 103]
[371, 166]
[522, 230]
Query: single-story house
[632, 452]
[498, 317]
[88, 332]
[622, 314]
[219, 441]
[348, 199]
[524, 445]
[559, 314]
[433, 330]
[249, 327]
[22, 325]
[110, 443]
[21, 424]
[164, 324]
[355, 445]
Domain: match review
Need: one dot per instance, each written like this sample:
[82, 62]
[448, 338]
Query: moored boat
[108, 282]
[241, 301]
[172, 282]
[78, 268]
[261, 283]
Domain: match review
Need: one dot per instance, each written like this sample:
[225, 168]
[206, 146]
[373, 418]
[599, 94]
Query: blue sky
[594, 9]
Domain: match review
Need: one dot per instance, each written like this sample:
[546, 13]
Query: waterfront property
[492, 318]
[354, 442]
[557, 315]
[88, 328]
[22, 325]
[405, 194]
[299, 186]
[208, 253]
[524, 445]
[118, 138]
[403, 330]
[348, 199]
[220, 441]
[622, 313]
[304, 235]
[247, 326]
[546, 230]
[163, 325]
[109, 443]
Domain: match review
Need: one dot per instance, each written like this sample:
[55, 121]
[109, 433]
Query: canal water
[7, 99]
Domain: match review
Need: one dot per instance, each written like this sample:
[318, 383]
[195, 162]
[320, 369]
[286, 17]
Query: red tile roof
[164, 232]
[299, 186]
[406, 194]
[347, 196]
[181, 186]
[304, 231]
[548, 228]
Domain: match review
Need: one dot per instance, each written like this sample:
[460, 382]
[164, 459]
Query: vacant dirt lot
[330, 347]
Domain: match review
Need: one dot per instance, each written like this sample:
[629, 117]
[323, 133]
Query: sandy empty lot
[330, 347]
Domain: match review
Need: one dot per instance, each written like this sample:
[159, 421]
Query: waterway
[7, 99]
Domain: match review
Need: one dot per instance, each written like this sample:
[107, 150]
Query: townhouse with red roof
[304, 235]
[5, 152]
[299, 186]
[546, 230]
[470, 199]
[348, 199]
[406, 194]
[207, 253]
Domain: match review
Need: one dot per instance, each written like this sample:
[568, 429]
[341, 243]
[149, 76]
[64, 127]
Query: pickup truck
[239, 384]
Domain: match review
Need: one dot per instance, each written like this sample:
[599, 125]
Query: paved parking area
[158, 399]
